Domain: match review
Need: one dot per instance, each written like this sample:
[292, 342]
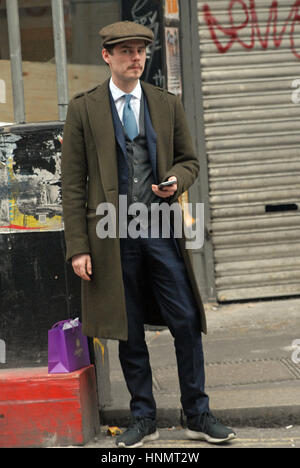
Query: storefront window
[83, 19]
[6, 102]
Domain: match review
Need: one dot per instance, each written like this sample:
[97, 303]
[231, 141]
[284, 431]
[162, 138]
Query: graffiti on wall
[30, 189]
[148, 13]
[275, 30]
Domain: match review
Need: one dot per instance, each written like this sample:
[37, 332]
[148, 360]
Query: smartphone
[165, 184]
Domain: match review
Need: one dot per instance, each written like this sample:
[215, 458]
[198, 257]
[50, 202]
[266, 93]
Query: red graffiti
[272, 29]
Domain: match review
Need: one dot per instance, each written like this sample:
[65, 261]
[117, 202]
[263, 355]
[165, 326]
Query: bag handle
[61, 323]
[57, 324]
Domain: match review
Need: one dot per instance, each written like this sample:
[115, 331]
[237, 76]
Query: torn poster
[30, 181]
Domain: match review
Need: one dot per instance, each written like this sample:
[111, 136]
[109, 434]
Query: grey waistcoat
[140, 175]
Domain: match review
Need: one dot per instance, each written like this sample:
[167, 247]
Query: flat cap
[124, 31]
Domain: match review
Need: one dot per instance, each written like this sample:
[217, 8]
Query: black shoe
[206, 427]
[140, 430]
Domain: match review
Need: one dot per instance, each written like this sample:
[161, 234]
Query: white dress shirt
[119, 98]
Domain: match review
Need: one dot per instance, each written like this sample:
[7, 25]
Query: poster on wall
[30, 187]
[172, 9]
[173, 60]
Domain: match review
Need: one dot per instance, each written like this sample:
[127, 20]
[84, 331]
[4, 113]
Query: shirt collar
[117, 93]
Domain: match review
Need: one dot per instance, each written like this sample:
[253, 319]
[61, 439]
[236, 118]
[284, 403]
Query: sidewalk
[250, 375]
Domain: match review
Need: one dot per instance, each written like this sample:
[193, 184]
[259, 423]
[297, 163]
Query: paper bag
[67, 347]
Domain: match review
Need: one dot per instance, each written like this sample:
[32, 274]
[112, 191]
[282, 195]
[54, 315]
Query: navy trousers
[173, 292]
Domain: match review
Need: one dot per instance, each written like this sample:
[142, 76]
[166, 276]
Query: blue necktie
[129, 120]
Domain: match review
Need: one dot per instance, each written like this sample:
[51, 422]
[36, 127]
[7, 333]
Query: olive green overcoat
[90, 177]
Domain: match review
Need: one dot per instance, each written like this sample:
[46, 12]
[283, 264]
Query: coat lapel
[100, 117]
[161, 126]
[119, 133]
[157, 124]
[151, 138]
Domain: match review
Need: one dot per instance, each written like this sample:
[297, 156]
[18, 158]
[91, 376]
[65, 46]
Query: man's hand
[166, 191]
[82, 266]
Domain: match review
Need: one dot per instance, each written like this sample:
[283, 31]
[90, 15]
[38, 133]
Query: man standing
[125, 137]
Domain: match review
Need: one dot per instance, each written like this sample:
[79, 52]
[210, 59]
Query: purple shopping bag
[67, 347]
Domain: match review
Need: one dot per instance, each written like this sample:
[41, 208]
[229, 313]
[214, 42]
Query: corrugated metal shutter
[252, 130]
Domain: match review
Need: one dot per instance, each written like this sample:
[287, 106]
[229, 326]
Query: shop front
[242, 78]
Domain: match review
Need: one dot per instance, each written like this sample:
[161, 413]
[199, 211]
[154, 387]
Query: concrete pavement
[252, 367]
[174, 440]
